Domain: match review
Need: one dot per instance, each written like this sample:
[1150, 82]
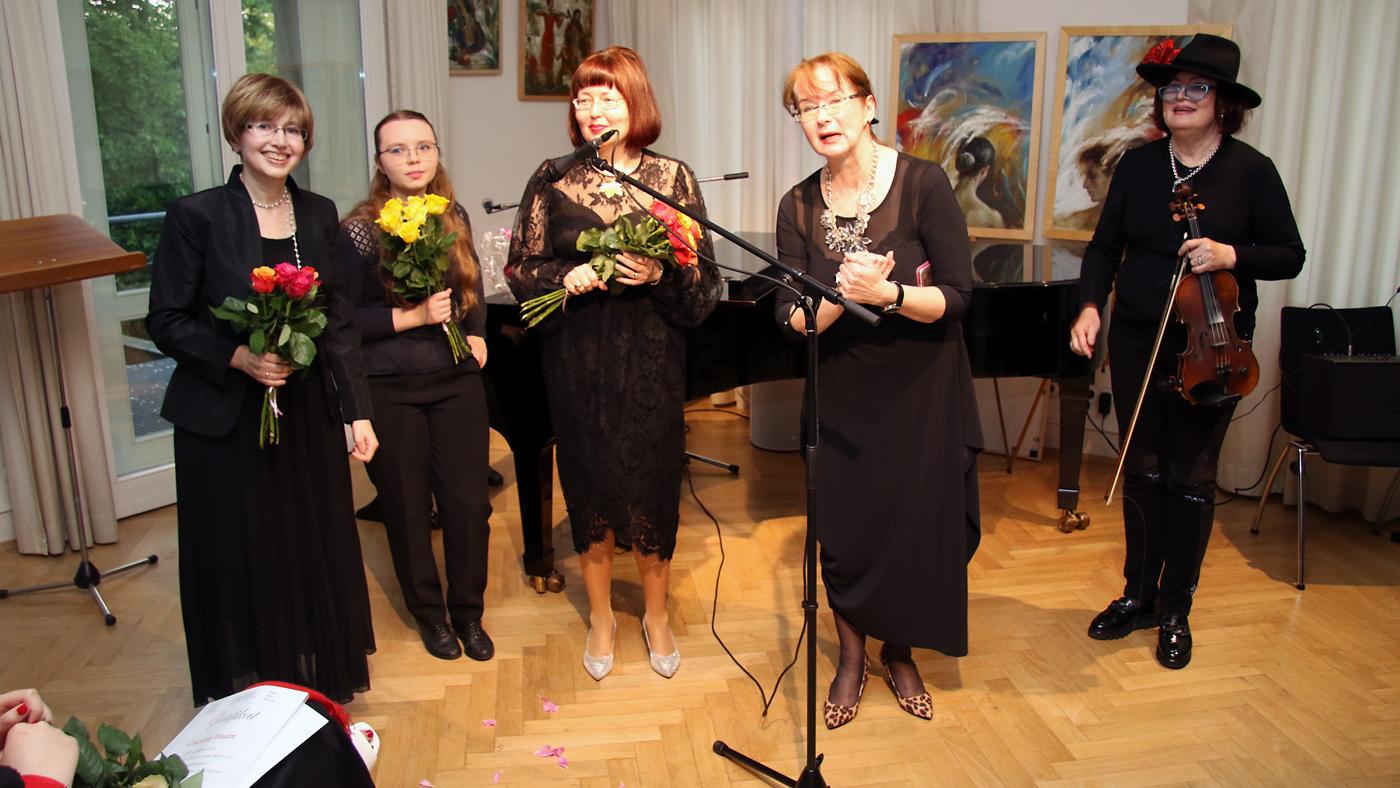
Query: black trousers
[1169, 474]
[433, 444]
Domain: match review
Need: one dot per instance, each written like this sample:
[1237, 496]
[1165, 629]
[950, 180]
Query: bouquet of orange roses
[665, 234]
[281, 317]
[418, 254]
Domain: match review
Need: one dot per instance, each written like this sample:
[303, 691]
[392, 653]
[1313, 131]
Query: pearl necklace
[1177, 178]
[285, 199]
[850, 238]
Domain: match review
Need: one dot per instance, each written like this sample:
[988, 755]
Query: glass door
[145, 80]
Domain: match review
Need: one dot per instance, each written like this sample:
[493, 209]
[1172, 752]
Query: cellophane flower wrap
[282, 317]
[417, 255]
[664, 234]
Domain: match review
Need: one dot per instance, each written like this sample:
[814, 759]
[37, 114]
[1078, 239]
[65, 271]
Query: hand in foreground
[366, 444]
[478, 348]
[41, 750]
[864, 278]
[268, 369]
[634, 269]
[17, 706]
[436, 308]
[1085, 332]
[1206, 255]
[583, 279]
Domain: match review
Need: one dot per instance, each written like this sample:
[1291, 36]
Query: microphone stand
[809, 296]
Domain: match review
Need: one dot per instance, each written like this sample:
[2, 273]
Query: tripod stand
[75, 251]
[811, 292]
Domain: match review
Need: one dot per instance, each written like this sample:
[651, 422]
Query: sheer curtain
[1327, 72]
[418, 75]
[718, 69]
[39, 176]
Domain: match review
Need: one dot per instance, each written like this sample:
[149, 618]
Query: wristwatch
[898, 300]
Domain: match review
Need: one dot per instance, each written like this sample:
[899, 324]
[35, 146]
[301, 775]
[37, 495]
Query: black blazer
[208, 246]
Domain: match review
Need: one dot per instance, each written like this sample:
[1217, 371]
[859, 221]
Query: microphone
[560, 167]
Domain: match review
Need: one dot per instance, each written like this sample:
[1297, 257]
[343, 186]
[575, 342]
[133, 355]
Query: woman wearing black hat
[1247, 229]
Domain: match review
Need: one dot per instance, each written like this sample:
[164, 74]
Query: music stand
[39, 253]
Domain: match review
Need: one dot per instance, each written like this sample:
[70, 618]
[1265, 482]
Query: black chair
[1307, 334]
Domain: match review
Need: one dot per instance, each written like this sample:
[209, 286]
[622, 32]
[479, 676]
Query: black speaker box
[1350, 397]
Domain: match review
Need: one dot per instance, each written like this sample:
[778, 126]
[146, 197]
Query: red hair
[619, 68]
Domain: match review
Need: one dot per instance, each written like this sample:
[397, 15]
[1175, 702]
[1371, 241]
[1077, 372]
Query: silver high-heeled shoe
[598, 667]
[666, 665]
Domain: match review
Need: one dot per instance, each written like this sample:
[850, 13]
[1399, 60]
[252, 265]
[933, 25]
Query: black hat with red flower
[1210, 56]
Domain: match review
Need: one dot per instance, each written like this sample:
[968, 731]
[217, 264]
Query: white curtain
[1328, 72]
[418, 75]
[718, 69]
[39, 176]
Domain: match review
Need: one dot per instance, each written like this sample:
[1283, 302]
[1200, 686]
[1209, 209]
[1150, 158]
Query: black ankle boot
[1174, 641]
[1122, 616]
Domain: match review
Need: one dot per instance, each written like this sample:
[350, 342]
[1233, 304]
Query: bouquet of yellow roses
[417, 258]
[664, 234]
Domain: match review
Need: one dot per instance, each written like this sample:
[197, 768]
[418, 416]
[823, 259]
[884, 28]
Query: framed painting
[555, 36]
[473, 37]
[971, 104]
[1102, 109]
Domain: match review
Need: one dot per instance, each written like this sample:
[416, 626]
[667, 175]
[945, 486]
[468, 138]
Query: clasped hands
[632, 269]
[29, 743]
[270, 369]
[864, 277]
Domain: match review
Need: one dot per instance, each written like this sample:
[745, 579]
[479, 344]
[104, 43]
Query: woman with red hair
[614, 364]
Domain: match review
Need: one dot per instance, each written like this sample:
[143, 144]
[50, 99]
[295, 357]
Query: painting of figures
[555, 36]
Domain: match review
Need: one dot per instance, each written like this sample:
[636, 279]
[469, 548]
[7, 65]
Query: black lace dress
[614, 365]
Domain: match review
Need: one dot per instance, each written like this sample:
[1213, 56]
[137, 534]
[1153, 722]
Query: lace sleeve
[531, 268]
[688, 295]
[373, 314]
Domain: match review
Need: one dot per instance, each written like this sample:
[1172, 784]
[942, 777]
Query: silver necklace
[1177, 178]
[850, 238]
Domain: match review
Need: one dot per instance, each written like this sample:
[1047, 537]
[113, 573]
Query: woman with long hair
[431, 409]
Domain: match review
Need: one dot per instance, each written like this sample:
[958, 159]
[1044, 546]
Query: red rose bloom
[263, 279]
[286, 272]
[1164, 52]
[302, 282]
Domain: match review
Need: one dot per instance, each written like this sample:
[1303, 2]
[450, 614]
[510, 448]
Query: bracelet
[898, 300]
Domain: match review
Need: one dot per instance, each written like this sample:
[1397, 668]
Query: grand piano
[1015, 328]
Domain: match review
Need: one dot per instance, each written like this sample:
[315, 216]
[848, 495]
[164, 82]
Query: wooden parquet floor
[1286, 687]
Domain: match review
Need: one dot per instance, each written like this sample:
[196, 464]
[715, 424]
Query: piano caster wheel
[1073, 521]
[553, 583]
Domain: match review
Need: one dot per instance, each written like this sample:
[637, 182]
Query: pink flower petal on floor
[556, 751]
[488, 723]
[563, 762]
[497, 778]
[545, 752]
[424, 784]
[550, 706]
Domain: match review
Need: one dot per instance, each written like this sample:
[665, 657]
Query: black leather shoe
[1174, 642]
[477, 643]
[1122, 616]
[439, 642]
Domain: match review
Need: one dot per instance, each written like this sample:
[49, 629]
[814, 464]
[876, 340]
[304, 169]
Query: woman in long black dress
[272, 585]
[430, 409]
[897, 509]
[615, 364]
[1248, 226]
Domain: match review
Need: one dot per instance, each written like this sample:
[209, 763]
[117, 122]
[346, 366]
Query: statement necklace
[850, 238]
[611, 187]
[1177, 178]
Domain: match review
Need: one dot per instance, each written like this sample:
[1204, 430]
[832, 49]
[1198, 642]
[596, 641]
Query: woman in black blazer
[271, 581]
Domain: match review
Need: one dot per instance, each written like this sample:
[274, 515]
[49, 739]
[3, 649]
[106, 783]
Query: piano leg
[1074, 407]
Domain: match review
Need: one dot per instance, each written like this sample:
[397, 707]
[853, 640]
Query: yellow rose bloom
[408, 231]
[437, 205]
[390, 216]
[416, 212]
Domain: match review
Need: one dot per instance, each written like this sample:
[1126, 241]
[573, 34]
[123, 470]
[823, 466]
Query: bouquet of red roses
[281, 317]
[665, 234]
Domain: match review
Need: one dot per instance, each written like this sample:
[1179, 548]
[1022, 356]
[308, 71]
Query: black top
[418, 350]
[209, 245]
[1246, 207]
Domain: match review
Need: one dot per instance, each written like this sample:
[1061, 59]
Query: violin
[1217, 366]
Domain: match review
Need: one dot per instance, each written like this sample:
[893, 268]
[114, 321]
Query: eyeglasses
[809, 111]
[267, 130]
[605, 104]
[401, 151]
[1193, 92]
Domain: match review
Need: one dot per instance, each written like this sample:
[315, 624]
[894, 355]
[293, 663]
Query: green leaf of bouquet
[257, 342]
[175, 768]
[113, 739]
[133, 750]
[315, 321]
[193, 781]
[588, 239]
[284, 335]
[252, 307]
[303, 350]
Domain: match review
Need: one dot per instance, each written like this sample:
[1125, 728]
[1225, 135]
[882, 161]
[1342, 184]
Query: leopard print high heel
[837, 715]
[920, 705]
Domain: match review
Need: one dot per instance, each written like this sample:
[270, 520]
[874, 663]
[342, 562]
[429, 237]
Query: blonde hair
[264, 97]
[841, 64]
